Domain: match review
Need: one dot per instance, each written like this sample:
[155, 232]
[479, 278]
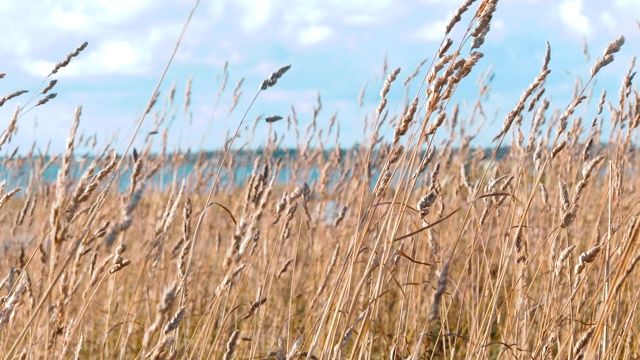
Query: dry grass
[395, 249]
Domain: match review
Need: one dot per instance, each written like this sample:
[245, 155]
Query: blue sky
[335, 48]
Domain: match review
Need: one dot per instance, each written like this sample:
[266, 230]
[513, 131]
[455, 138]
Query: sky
[335, 48]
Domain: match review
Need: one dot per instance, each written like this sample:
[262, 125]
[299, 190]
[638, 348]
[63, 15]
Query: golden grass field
[404, 247]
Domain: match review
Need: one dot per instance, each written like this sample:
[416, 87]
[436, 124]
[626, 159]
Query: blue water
[163, 178]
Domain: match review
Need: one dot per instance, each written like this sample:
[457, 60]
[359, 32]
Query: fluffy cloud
[572, 16]
[314, 34]
[432, 32]
[256, 13]
[122, 35]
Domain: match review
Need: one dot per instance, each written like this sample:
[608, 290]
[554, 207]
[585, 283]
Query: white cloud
[607, 20]
[257, 13]
[264, 68]
[216, 9]
[571, 15]
[39, 67]
[305, 12]
[36, 40]
[110, 57]
[298, 13]
[360, 19]
[314, 34]
[117, 57]
[431, 32]
[70, 20]
[95, 15]
[360, 5]
[625, 3]
[498, 29]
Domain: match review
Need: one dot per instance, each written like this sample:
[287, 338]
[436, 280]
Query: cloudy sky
[335, 47]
